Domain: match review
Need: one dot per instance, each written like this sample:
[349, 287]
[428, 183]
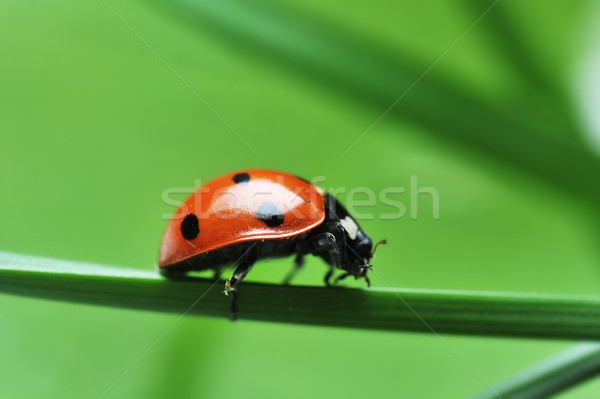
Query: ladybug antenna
[382, 242]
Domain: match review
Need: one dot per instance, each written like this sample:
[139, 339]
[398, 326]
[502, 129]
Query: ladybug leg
[231, 284]
[326, 246]
[233, 307]
[326, 242]
[298, 263]
[341, 277]
[368, 280]
[217, 274]
[237, 277]
[328, 276]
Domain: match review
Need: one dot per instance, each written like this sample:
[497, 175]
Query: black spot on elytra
[189, 227]
[268, 213]
[241, 178]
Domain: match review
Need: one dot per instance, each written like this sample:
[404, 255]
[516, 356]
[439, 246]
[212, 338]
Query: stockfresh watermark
[412, 201]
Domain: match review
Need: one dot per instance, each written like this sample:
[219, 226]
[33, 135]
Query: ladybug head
[357, 248]
[358, 255]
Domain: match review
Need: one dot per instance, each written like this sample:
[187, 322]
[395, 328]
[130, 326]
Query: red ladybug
[242, 217]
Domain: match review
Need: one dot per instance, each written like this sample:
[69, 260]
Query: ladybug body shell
[242, 217]
[222, 218]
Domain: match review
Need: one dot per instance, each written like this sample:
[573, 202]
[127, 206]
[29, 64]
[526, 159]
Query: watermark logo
[413, 201]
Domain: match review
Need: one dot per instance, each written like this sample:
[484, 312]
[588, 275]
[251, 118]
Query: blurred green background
[94, 127]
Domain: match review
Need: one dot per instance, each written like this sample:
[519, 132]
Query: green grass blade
[539, 135]
[556, 374]
[461, 312]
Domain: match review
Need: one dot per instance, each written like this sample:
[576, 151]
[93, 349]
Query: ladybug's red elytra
[245, 216]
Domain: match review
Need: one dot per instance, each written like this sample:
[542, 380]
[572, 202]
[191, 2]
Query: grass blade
[555, 374]
[544, 140]
[461, 312]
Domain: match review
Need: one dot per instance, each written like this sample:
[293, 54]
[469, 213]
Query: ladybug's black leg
[217, 274]
[341, 277]
[298, 262]
[328, 276]
[326, 242]
[326, 246]
[367, 279]
[237, 277]
[233, 306]
[231, 284]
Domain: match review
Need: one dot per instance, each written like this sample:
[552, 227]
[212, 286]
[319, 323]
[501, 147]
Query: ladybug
[242, 217]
